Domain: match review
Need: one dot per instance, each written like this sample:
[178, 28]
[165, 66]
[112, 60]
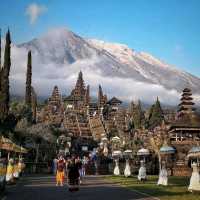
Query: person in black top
[80, 166]
[73, 175]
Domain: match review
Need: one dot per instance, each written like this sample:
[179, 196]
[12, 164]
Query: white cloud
[45, 76]
[33, 11]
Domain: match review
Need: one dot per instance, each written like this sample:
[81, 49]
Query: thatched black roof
[114, 101]
[187, 90]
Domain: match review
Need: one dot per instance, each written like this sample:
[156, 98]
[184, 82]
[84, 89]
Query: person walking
[21, 166]
[55, 160]
[84, 163]
[73, 175]
[60, 174]
[78, 162]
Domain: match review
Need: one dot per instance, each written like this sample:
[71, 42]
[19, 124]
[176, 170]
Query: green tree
[28, 80]
[138, 117]
[33, 104]
[5, 71]
[7, 125]
[156, 115]
[28, 95]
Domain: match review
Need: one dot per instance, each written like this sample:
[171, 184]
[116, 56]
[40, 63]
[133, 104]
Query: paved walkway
[92, 188]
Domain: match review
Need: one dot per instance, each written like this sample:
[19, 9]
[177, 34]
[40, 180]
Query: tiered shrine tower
[186, 105]
[78, 93]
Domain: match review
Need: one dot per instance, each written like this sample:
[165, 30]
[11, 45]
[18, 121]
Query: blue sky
[168, 29]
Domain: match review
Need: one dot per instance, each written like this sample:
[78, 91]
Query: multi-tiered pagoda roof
[55, 98]
[186, 115]
[187, 103]
[78, 93]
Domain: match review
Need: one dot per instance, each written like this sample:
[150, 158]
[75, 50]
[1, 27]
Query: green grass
[176, 190]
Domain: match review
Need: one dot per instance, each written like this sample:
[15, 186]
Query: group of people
[14, 170]
[70, 169]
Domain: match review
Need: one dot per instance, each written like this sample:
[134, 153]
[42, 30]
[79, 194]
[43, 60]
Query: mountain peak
[61, 32]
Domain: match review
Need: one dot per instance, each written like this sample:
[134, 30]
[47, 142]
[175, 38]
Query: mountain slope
[60, 54]
[151, 68]
[62, 46]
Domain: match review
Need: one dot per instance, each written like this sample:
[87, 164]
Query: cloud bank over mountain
[60, 54]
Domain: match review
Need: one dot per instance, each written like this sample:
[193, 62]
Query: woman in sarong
[73, 176]
[9, 172]
[84, 162]
[78, 162]
[60, 175]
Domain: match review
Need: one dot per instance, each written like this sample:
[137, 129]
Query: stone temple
[83, 118]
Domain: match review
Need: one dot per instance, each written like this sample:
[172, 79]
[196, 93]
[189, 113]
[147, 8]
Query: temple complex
[88, 121]
[81, 116]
